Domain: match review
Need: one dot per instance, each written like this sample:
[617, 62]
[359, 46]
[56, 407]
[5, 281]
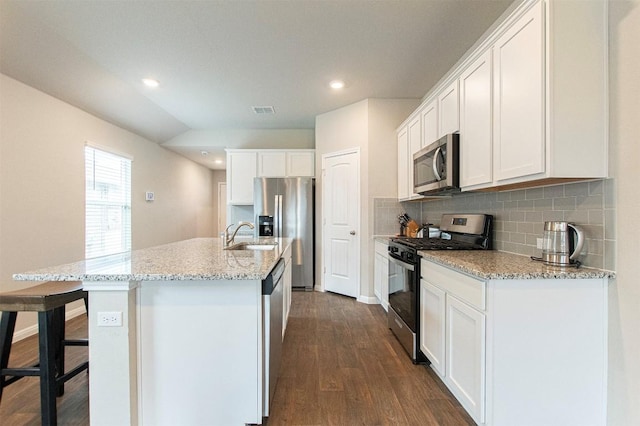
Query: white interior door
[222, 206]
[341, 234]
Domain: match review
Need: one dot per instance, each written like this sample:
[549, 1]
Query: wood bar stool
[49, 300]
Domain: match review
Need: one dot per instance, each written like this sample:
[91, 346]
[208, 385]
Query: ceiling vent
[263, 110]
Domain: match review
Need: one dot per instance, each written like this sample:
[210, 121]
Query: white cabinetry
[403, 171]
[432, 325]
[476, 123]
[530, 101]
[452, 333]
[465, 352]
[430, 123]
[449, 111]
[409, 142]
[243, 165]
[282, 163]
[241, 169]
[272, 164]
[519, 94]
[381, 274]
[515, 351]
[301, 163]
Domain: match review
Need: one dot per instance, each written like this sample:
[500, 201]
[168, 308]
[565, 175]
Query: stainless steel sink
[252, 246]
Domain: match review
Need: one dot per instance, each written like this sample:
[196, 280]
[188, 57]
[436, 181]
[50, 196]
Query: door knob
[352, 232]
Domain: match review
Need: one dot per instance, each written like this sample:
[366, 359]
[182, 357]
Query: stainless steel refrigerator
[284, 207]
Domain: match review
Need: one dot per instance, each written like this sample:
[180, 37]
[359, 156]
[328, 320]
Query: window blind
[107, 203]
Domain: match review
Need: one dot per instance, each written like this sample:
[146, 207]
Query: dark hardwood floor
[340, 366]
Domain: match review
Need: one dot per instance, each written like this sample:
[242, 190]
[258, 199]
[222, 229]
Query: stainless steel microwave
[436, 167]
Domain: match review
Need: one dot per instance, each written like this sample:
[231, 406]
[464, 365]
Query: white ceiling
[217, 59]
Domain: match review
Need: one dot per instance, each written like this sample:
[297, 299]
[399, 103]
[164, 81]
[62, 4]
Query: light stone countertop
[497, 265]
[195, 259]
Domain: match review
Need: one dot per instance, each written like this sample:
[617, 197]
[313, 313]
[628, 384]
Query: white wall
[624, 292]
[370, 126]
[42, 184]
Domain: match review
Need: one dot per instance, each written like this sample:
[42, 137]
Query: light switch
[149, 196]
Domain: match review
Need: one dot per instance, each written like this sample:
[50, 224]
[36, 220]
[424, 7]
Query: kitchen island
[175, 331]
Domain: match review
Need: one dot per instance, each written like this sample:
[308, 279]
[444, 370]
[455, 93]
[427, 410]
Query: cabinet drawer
[464, 287]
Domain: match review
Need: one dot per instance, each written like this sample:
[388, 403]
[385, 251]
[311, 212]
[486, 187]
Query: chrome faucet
[228, 240]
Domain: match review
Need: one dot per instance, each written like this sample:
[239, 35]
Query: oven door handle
[402, 264]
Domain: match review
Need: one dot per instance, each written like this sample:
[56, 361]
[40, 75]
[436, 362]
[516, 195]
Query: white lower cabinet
[465, 352]
[517, 351]
[432, 325]
[381, 274]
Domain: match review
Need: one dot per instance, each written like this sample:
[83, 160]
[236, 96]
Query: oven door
[403, 281]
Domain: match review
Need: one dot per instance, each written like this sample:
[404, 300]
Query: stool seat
[43, 297]
[48, 300]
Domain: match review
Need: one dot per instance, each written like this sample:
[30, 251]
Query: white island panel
[200, 344]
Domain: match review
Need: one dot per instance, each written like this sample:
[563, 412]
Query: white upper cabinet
[281, 163]
[530, 101]
[476, 123]
[403, 165]
[449, 110]
[430, 123]
[415, 143]
[243, 165]
[519, 89]
[301, 163]
[272, 164]
[241, 170]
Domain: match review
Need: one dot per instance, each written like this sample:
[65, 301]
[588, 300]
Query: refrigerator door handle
[278, 216]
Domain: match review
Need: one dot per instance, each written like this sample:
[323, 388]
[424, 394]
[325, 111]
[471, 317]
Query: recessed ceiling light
[336, 84]
[150, 82]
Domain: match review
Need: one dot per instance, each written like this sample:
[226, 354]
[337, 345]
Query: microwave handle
[435, 164]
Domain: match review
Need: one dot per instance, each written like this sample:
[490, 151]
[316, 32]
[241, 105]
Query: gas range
[458, 232]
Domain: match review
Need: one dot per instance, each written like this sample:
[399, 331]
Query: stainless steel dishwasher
[271, 333]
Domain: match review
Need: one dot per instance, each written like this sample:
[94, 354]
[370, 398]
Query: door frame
[354, 150]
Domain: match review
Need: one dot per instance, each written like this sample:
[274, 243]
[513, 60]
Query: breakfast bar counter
[176, 331]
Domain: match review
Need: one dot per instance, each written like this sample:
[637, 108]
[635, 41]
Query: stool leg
[58, 339]
[47, 369]
[7, 327]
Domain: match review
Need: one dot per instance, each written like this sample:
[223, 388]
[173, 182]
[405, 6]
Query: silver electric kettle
[559, 247]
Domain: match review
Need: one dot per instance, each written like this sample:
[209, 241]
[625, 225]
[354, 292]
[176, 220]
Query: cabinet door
[432, 325]
[385, 283]
[415, 143]
[465, 362]
[241, 170]
[301, 164]
[430, 123]
[272, 164]
[377, 275]
[403, 172]
[449, 111]
[518, 58]
[476, 123]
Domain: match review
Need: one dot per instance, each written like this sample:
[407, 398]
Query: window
[107, 203]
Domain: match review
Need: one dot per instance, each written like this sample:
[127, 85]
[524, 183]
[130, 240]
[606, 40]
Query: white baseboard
[369, 300]
[33, 329]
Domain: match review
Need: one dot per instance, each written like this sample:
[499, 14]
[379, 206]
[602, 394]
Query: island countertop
[194, 259]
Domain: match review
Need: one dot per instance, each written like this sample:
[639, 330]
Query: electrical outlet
[149, 196]
[539, 243]
[109, 319]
